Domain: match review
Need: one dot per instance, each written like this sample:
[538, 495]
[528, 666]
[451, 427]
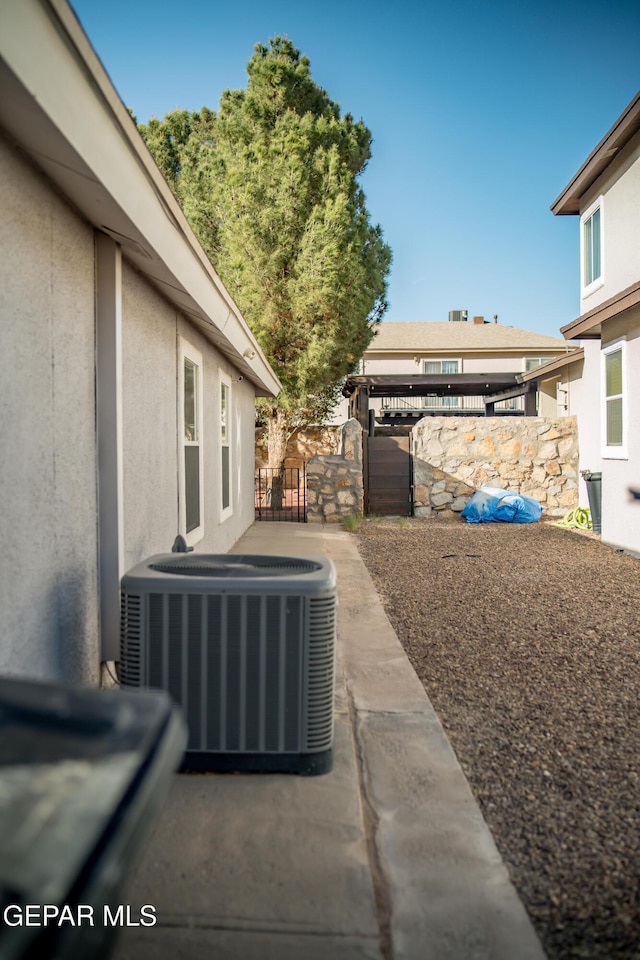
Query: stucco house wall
[100, 278]
[151, 332]
[48, 502]
[482, 363]
[584, 404]
[620, 515]
[619, 186]
[609, 180]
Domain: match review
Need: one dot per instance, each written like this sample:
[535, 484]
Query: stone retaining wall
[453, 457]
[334, 482]
[302, 445]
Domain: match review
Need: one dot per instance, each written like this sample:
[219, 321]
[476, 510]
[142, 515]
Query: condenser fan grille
[228, 565]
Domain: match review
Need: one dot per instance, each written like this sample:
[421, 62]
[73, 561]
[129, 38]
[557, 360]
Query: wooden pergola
[492, 387]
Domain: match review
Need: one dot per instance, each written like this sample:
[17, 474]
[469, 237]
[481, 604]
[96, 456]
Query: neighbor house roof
[460, 337]
[60, 107]
[625, 127]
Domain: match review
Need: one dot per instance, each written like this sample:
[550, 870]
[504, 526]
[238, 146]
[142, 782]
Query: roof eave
[625, 127]
[589, 325]
[64, 113]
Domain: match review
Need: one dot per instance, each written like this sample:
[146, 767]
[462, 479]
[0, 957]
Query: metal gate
[281, 494]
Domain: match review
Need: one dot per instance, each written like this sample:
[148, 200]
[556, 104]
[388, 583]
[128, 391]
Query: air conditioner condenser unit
[246, 646]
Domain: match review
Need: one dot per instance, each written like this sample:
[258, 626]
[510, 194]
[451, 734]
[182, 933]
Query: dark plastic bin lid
[81, 771]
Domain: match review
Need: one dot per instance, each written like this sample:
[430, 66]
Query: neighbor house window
[530, 363]
[190, 486]
[443, 366]
[614, 401]
[591, 242]
[225, 446]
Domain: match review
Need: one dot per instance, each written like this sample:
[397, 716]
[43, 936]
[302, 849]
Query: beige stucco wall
[48, 502]
[480, 363]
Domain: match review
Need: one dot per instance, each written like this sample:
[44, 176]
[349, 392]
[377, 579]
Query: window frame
[225, 438]
[187, 352]
[532, 363]
[614, 451]
[590, 286]
[441, 360]
[447, 402]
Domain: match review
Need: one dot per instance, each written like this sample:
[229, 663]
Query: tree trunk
[276, 449]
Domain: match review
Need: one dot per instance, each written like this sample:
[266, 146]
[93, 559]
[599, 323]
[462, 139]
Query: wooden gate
[389, 477]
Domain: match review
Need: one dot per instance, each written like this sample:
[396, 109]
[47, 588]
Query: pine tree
[270, 186]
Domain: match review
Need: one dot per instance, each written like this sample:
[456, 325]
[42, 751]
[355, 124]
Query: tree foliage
[270, 186]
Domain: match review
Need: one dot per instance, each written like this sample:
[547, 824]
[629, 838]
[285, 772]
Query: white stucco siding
[48, 589]
[151, 332]
[221, 532]
[620, 514]
[149, 420]
[585, 404]
[620, 188]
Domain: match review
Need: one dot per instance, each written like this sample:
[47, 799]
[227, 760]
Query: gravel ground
[527, 640]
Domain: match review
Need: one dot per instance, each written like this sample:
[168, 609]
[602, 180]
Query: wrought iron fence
[281, 494]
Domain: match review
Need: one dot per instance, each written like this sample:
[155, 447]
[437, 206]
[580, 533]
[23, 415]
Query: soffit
[589, 325]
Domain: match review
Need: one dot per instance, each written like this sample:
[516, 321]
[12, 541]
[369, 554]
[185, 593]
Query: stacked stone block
[334, 482]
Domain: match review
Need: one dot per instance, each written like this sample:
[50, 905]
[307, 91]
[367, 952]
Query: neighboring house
[454, 347]
[605, 392]
[129, 375]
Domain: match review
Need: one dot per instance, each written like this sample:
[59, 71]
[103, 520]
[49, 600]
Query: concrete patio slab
[387, 857]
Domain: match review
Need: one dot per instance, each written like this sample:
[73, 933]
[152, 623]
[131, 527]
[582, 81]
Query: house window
[531, 363]
[614, 401]
[190, 486]
[225, 446]
[591, 243]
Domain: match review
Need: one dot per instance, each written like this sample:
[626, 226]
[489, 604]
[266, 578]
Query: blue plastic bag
[491, 505]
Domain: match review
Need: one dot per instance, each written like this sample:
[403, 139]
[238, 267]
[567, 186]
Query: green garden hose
[579, 519]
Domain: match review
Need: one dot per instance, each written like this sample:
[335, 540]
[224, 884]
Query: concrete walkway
[385, 858]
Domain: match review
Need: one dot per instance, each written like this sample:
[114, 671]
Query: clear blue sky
[481, 112]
